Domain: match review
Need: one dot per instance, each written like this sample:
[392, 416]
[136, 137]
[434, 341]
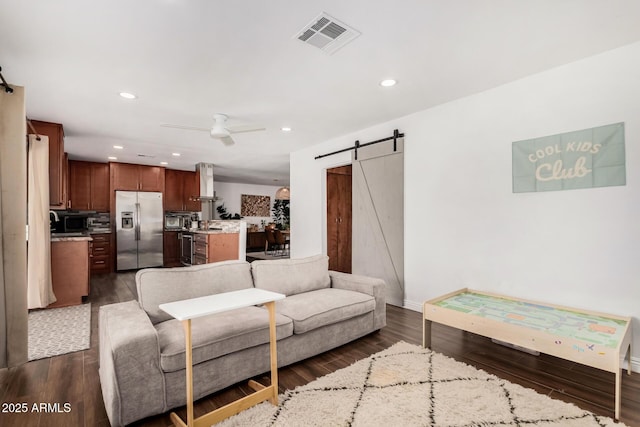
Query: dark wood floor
[73, 377]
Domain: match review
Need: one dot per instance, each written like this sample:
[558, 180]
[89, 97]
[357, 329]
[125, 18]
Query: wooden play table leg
[426, 334]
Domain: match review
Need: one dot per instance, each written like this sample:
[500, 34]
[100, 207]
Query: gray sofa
[142, 360]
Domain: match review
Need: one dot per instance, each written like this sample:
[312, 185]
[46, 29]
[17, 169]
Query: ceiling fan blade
[245, 128]
[167, 125]
[227, 140]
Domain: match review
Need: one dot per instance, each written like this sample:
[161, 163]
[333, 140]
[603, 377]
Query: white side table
[197, 307]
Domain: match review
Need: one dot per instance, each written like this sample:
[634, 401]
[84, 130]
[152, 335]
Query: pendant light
[283, 193]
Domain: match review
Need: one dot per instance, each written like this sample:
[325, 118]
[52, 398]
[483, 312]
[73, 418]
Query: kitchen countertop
[215, 231]
[71, 238]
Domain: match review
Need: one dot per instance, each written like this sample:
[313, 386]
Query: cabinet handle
[99, 262]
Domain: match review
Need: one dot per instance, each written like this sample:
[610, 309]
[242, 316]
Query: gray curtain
[13, 220]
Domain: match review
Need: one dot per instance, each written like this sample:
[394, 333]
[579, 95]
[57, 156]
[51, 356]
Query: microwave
[173, 222]
[72, 223]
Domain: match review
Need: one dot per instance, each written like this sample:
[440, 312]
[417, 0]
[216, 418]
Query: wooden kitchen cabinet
[69, 272]
[58, 195]
[171, 249]
[101, 253]
[181, 187]
[215, 247]
[89, 186]
[256, 241]
[131, 177]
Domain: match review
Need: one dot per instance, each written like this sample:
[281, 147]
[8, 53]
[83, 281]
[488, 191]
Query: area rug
[57, 331]
[407, 385]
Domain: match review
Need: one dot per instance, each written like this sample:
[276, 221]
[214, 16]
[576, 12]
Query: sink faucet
[53, 216]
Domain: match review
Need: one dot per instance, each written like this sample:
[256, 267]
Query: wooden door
[173, 190]
[378, 216]
[79, 185]
[339, 218]
[100, 187]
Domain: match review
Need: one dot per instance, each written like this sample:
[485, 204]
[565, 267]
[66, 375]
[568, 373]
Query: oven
[186, 248]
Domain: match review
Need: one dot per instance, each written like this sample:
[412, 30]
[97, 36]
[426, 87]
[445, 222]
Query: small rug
[57, 331]
[410, 386]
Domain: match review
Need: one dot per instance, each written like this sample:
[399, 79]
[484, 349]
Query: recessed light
[118, 147]
[112, 158]
[127, 95]
[175, 154]
[285, 129]
[164, 163]
[388, 82]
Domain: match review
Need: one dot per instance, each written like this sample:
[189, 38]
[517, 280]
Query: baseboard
[412, 305]
[635, 364]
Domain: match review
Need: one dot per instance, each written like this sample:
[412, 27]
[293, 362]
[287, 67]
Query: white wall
[463, 225]
[231, 192]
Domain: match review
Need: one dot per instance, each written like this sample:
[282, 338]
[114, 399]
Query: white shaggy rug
[57, 331]
[407, 385]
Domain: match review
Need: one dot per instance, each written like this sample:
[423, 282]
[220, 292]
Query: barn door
[378, 215]
[339, 218]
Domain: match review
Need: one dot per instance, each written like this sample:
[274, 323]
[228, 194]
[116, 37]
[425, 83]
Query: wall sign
[581, 159]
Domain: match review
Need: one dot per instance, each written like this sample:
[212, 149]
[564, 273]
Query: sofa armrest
[130, 375]
[367, 285]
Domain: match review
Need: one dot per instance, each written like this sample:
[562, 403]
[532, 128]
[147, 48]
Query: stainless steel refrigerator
[139, 228]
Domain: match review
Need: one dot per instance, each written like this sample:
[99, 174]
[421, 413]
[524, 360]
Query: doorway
[339, 218]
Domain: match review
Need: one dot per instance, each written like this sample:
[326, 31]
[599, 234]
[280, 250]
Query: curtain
[13, 214]
[39, 289]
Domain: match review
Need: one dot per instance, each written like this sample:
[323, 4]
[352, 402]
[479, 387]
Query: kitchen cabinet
[256, 241]
[129, 177]
[181, 187]
[70, 271]
[171, 249]
[58, 194]
[89, 186]
[101, 255]
[215, 247]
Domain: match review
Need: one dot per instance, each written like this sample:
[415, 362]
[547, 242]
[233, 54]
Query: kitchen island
[222, 240]
[70, 271]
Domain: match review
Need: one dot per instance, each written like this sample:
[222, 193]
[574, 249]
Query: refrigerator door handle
[137, 221]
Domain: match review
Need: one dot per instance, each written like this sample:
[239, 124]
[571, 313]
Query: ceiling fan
[220, 130]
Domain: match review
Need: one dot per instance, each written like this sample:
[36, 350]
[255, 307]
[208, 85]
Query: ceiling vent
[327, 33]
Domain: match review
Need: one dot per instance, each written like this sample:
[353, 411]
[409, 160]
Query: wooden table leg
[426, 334]
[271, 306]
[186, 324]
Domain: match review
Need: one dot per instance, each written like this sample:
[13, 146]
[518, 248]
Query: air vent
[327, 33]
[146, 155]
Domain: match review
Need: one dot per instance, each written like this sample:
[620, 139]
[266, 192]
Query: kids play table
[594, 339]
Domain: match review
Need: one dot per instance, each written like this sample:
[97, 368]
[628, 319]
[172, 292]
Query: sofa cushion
[162, 285]
[217, 334]
[292, 276]
[315, 309]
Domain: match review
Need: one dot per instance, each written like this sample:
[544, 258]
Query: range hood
[207, 193]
